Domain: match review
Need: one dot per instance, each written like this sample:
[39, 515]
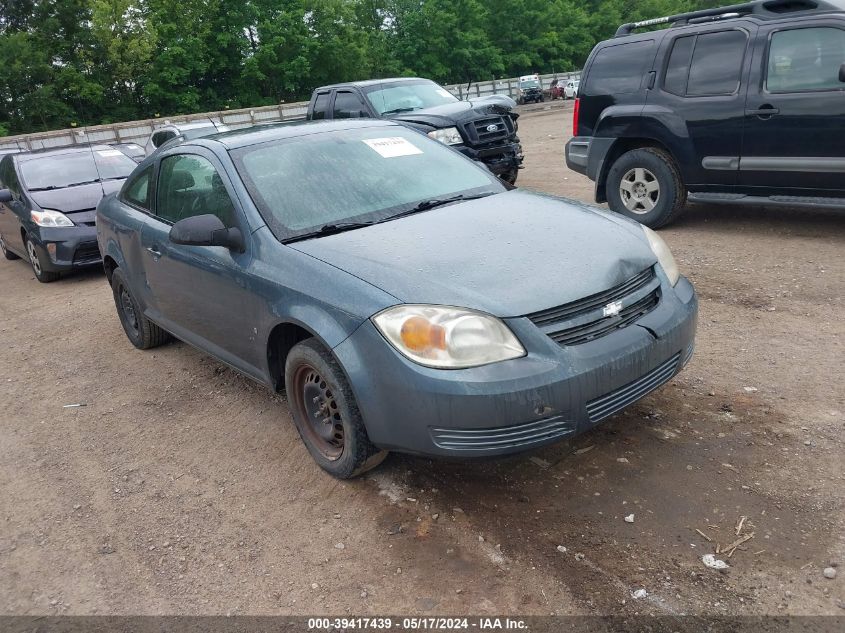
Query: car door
[703, 74]
[795, 111]
[201, 293]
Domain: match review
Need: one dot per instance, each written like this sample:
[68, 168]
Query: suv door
[703, 74]
[795, 111]
[201, 292]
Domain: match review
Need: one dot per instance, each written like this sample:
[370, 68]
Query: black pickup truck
[483, 128]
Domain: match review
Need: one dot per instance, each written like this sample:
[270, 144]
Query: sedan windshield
[337, 179]
[408, 96]
[65, 170]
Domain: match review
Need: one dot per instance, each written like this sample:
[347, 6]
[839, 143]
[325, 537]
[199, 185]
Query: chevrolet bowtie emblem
[612, 309]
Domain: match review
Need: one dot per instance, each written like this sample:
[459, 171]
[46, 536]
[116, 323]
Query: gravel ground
[182, 488]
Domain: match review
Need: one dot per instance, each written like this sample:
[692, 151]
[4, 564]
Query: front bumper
[552, 393]
[499, 159]
[62, 249]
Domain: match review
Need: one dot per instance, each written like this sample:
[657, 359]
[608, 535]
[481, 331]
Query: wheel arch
[281, 340]
[620, 147]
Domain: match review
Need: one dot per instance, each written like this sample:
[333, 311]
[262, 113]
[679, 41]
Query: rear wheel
[645, 185]
[44, 276]
[325, 412]
[141, 332]
[6, 252]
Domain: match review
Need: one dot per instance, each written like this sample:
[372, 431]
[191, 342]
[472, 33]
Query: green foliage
[96, 61]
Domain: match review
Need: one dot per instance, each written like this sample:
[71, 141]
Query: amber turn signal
[419, 334]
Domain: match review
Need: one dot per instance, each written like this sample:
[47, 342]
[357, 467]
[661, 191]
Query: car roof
[292, 129]
[190, 125]
[60, 151]
[373, 82]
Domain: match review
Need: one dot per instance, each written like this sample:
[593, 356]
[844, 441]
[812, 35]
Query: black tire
[6, 252]
[141, 332]
[44, 276]
[510, 176]
[315, 387]
[645, 185]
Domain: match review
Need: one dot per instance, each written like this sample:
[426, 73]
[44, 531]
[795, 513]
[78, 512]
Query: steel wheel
[316, 404]
[127, 310]
[639, 190]
[33, 257]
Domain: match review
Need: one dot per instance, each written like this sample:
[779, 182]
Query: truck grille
[585, 320]
[481, 132]
[505, 437]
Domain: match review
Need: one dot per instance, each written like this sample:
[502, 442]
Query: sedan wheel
[639, 190]
[41, 275]
[6, 252]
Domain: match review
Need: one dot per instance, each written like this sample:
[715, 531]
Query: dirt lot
[182, 488]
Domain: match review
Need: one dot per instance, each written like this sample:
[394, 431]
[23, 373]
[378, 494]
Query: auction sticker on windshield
[393, 146]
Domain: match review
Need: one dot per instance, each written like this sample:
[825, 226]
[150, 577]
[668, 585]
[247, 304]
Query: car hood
[457, 112]
[510, 254]
[72, 199]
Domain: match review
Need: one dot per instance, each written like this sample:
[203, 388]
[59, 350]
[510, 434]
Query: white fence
[139, 131]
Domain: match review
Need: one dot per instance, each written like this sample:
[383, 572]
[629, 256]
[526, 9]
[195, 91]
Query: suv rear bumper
[587, 155]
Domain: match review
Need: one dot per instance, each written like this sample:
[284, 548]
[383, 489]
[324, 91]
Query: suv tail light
[575, 114]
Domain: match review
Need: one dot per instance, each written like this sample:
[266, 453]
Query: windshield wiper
[425, 205]
[398, 110]
[72, 184]
[330, 229]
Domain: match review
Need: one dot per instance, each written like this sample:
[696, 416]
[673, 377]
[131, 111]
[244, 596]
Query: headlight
[447, 337]
[447, 136]
[664, 255]
[50, 218]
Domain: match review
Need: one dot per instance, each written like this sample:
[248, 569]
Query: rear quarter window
[619, 69]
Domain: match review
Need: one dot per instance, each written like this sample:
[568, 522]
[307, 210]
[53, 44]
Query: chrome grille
[505, 437]
[478, 133]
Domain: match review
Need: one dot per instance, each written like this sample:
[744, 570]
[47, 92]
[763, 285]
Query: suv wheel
[6, 252]
[44, 276]
[645, 185]
[326, 415]
[140, 331]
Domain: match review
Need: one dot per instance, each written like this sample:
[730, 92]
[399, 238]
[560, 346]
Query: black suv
[741, 104]
[483, 128]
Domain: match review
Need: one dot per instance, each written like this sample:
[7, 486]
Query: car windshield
[63, 170]
[530, 83]
[407, 96]
[304, 184]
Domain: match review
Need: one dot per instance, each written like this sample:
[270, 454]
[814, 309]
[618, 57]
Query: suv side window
[189, 185]
[321, 106]
[706, 65]
[619, 69]
[805, 60]
[348, 105]
[137, 190]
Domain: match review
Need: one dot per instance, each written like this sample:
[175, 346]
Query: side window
[619, 69]
[717, 63]
[321, 106]
[677, 69]
[8, 177]
[189, 185]
[137, 190]
[347, 105]
[806, 59]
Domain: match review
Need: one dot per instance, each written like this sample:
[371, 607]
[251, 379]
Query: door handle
[764, 111]
[152, 250]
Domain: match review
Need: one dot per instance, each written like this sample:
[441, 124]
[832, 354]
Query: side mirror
[5, 196]
[206, 230]
[842, 73]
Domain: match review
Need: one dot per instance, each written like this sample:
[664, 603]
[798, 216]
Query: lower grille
[87, 254]
[615, 401]
[504, 437]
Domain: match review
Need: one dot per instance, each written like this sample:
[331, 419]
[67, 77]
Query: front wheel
[645, 185]
[326, 414]
[44, 276]
[6, 252]
[510, 176]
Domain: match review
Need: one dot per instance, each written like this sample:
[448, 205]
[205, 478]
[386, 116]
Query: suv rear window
[706, 65]
[619, 69]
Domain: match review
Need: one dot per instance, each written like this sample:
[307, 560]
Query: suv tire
[141, 332]
[645, 185]
[326, 414]
[44, 276]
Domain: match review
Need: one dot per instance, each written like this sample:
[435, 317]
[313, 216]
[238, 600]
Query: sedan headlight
[664, 255]
[50, 218]
[447, 337]
[447, 136]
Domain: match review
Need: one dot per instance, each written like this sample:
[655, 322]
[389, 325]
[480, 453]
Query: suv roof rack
[763, 8]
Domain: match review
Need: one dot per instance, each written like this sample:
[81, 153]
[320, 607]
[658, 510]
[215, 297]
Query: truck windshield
[407, 96]
[531, 83]
[333, 179]
[64, 170]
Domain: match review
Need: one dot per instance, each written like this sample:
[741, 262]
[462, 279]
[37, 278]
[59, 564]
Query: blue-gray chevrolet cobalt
[402, 296]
